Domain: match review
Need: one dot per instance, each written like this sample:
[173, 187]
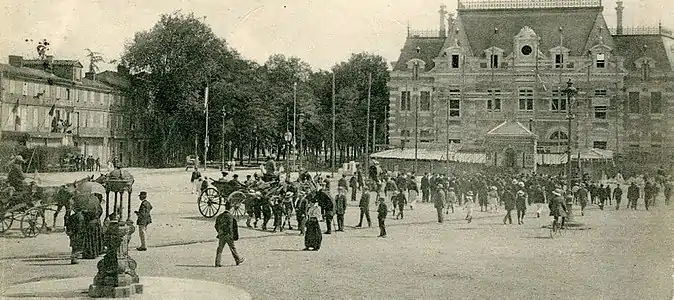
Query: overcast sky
[320, 32]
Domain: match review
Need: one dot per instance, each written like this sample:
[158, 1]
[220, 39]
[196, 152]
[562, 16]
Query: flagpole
[367, 125]
[334, 155]
[295, 124]
[206, 135]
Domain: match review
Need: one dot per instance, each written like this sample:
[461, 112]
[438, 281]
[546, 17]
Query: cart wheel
[237, 200]
[6, 222]
[209, 202]
[32, 222]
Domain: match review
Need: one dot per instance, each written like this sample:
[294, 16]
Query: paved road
[625, 254]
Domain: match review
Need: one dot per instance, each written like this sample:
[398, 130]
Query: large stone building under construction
[493, 82]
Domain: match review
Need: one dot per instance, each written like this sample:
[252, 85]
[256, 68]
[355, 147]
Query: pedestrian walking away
[469, 206]
[364, 206]
[144, 219]
[382, 211]
[228, 232]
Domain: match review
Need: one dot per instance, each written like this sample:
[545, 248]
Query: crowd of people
[311, 200]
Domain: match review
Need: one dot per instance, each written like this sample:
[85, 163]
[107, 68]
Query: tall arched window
[559, 136]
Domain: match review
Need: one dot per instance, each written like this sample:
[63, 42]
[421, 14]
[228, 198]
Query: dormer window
[494, 54]
[601, 60]
[559, 61]
[455, 61]
[494, 61]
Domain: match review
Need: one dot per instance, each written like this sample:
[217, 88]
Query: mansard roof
[577, 23]
[429, 47]
[631, 48]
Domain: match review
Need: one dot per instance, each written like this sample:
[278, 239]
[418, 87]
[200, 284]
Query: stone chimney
[90, 75]
[619, 14]
[16, 61]
[443, 12]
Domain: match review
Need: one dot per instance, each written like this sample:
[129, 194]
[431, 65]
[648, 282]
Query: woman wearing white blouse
[313, 237]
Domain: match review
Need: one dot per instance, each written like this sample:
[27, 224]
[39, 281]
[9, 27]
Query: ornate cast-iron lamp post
[116, 277]
[570, 92]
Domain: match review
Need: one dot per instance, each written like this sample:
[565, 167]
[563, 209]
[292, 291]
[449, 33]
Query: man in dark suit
[364, 206]
[618, 196]
[328, 205]
[340, 207]
[353, 183]
[382, 210]
[228, 232]
[144, 219]
[425, 188]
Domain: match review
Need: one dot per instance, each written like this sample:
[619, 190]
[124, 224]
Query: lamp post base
[116, 277]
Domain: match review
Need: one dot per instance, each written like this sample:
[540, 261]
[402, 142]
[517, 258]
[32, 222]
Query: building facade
[49, 103]
[499, 73]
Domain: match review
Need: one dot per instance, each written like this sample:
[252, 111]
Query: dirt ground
[623, 255]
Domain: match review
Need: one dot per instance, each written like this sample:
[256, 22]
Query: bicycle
[555, 229]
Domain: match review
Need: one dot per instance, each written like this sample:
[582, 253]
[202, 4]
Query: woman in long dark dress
[313, 236]
[93, 231]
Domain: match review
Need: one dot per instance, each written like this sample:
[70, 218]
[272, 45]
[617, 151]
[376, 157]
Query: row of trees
[171, 64]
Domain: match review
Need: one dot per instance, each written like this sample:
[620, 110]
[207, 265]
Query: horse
[64, 195]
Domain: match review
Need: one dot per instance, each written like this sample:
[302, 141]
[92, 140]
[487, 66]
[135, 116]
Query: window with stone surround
[494, 101]
[656, 102]
[425, 102]
[558, 101]
[454, 103]
[600, 112]
[526, 100]
[633, 101]
[405, 100]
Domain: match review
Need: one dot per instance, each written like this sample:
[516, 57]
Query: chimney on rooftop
[442, 12]
[90, 75]
[16, 61]
[619, 14]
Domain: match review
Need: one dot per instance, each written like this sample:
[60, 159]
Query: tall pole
[374, 135]
[416, 120]
[222, 140]
[295, 124]
[332, 164]
[206, 136]
[367, 124]
[447, 139]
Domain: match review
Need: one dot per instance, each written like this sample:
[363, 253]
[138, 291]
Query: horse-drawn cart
[212, 198]
[26, 208]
